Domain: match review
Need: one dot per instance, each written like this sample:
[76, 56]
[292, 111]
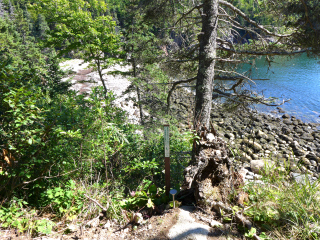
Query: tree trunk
[207, 56]
[101, 77]
[138, 91]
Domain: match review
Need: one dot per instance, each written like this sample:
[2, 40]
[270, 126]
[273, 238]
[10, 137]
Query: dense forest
[62, 151]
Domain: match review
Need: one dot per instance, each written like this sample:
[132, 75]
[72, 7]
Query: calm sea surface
[296, 78]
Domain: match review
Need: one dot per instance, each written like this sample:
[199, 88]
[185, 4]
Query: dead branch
[174, 86]
[97, 203]
[46, 177]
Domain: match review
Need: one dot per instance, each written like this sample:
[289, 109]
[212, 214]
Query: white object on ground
[187, 228]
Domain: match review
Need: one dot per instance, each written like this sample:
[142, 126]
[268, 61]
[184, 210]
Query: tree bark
[101, 77]
[138, 91]
[207, 54]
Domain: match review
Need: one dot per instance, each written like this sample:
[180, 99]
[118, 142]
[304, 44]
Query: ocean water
[296, 78]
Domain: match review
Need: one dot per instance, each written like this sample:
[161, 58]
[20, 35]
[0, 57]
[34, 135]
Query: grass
[284, 208]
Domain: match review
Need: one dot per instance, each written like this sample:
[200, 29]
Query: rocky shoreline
[286, 143]
[254, 138]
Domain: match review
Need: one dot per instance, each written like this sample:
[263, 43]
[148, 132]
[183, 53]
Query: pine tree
[41, 27]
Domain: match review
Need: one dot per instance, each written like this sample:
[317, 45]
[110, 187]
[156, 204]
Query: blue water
[296, 78]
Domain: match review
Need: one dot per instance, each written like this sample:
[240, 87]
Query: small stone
[287, 121]
[300, 178]
[250, 173]
[299, 152]
[249, 177]
[313, 163]
[210, 137]
[257, 176]
[258, 166]
[73, 228]
[243, 172]
[93, 223]
[215, 223]
[305, 161]
[260, 134]
[256, 146]
[229, 135]
[137, 218]
[245, 157]
[107, 225]
[286, 138]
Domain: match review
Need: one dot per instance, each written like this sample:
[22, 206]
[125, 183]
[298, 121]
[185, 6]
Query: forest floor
[179, 223]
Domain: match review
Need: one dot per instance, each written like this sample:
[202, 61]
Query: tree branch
[261, 53]
[174, 86]
[244, 16]
[45, 177]
[187, 13]
[96, 202]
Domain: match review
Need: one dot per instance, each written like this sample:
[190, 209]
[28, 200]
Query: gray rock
[298, 130]
[301, 178]
[259, 166]
[295, 122]
[210, 137]
[312, 156]
[255, 157]
[286, 130]
[286, 116]
[245, 157]
[294, 168]
[250, 173]
[286, 138]
[249, 177]
[287, 121]
[229, 135]
[305, 161]
[260, 134]
[307, 137]
[256, 146]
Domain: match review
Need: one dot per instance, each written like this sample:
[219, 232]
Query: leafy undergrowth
[77, 204]
[284, 208]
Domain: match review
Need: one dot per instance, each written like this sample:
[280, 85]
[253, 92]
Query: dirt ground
[154, 228]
